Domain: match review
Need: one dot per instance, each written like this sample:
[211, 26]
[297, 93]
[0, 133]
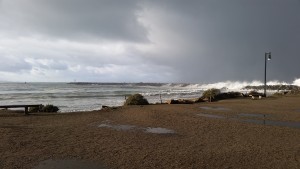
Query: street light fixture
[267, 57]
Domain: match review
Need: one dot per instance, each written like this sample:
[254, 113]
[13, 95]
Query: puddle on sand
[211, 116]
[255, 121]
[67, 164]
[117, 127]
[272, 123]
[252, 115]
[215, 108]
[159, 130]
[156, 130]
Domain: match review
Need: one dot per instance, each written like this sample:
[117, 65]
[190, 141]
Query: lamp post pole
[267, 57]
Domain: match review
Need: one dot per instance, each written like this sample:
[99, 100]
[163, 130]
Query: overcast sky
[197, 41]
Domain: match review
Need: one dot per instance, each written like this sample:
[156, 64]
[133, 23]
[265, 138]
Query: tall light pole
[267, 57]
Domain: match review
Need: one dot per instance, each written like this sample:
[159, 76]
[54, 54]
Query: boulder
[136, 99]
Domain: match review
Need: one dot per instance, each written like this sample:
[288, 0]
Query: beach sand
[158, 136]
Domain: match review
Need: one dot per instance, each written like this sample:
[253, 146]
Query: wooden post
[26, 110]
[160, 99]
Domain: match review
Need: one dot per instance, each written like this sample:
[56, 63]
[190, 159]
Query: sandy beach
[235, 133]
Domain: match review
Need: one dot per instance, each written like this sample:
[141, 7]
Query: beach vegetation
[215, 94]
[136, 99]
[210, 94]
[49, 108]
[36, 109]
[294, 92]
[228, 95]
[278, 94]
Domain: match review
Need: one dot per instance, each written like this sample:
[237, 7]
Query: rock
[185, 101]
[182, 101]
[206, 99]
[198, 100]
[173, 101]
[105, 107]
[136, 99]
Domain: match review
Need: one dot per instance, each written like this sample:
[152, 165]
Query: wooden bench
[18, 106]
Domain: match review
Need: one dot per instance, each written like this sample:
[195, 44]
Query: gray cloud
[74, 19]
[227, 40]
[182, 41]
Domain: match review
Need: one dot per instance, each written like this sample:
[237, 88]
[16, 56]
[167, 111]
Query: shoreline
[124, 137]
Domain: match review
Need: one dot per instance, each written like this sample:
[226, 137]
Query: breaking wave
[231, 85]
[90, 96]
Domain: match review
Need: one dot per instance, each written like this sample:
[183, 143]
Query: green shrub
[136, 99]
[278, 94]
[210, 94]
[36, 109]
[228, 95]
[49, 108]
[294, 92]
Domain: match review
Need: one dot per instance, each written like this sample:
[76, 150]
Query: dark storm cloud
[75, 19]
[168, 40]
[227, 39]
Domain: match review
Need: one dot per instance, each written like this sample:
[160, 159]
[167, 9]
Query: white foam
[296, 82]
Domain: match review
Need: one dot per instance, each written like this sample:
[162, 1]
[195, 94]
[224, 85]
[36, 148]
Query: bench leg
[26, 110]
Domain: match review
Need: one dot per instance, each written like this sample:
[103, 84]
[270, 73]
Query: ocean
[71, 97]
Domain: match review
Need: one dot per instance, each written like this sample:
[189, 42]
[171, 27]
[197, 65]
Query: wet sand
[157, 136]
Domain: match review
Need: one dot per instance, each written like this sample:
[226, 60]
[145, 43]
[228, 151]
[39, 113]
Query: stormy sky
[195, 41]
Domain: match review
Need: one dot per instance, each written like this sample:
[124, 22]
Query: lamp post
[267, 57]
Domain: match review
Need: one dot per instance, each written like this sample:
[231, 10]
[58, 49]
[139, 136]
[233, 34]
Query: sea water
[70, 97]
